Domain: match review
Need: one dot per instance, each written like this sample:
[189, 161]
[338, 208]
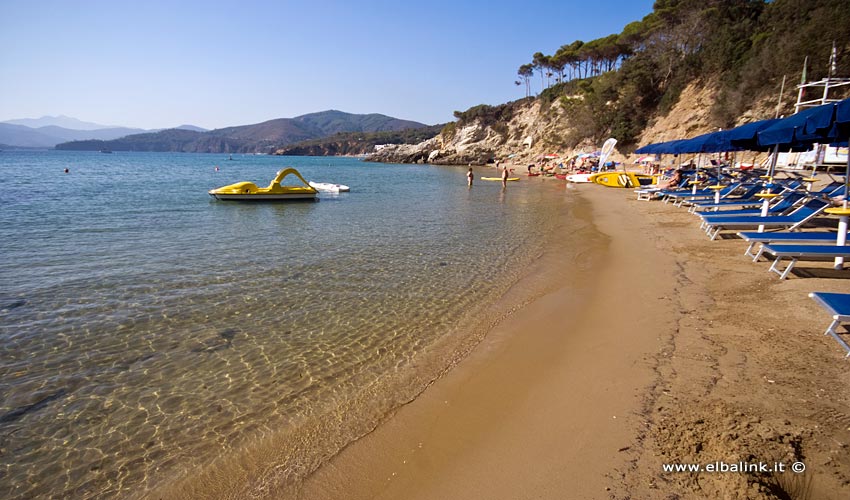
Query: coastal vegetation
[358, 143]
[614, 85]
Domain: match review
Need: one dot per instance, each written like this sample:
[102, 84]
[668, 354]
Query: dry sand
[676, 350]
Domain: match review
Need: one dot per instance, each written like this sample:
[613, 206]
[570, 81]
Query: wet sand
[549, 402]
[675, 349]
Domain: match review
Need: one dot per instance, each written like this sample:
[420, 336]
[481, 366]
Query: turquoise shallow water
[149, 331]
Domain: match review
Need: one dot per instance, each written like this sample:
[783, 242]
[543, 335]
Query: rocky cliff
[537, 129]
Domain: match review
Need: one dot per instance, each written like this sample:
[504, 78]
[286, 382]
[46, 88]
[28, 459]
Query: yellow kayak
[499, 178]
[621, 179]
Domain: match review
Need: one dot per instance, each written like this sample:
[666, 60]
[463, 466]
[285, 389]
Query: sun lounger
[705, 195]
[667, 195]
[647, 193]
[754, 238]
[792, 221]
[796, 252]
[746, 199]
[838, 305]
[782, 207]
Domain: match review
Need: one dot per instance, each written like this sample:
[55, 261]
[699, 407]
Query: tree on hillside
[615, 84]
[526, 71]
[541, 63]
[570, 55]
[557, 63]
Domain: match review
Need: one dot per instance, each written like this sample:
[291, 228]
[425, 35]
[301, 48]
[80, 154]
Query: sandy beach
[677, 350]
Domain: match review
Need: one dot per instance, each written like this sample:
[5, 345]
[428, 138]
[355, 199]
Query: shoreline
[700, 355]
[548, 402]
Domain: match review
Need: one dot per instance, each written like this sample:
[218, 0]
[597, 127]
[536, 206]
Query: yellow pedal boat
[248, 191]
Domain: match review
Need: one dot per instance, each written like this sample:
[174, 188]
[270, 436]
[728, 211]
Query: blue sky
[154, 64]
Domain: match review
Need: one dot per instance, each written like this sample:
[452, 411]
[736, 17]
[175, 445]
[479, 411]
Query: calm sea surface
[150, 333]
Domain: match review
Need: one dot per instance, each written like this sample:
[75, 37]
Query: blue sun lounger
[748, 199]
[838, 305]
[702, 195]
[797, 252]
[786, 204]
[792, 221]
[754, 238]
[745, 200]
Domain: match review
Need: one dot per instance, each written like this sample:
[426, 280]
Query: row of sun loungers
[781, 232]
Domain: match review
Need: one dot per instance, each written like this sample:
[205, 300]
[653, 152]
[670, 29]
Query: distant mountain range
[48, 131]
[264, 137]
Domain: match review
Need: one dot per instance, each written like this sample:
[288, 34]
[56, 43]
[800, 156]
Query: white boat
[579, 178]
[327, 187]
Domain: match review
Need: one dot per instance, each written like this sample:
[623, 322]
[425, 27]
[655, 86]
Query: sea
[153, 338]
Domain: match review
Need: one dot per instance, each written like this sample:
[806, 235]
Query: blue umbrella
[745, 137]
[719, 142]
[831, 120]
[648, 149]
[793, 131]
[742, 137]
[657, 148]
[829, 123]
[737, 139]
[669, 147]
[694, 145]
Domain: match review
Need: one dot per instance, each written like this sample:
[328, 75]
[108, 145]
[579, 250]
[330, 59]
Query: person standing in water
[469, 177]
[505, 177]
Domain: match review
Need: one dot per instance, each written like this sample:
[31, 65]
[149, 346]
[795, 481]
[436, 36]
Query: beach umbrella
[835, 124]
[818, 125]
[665, 147]
[839, 131]
[792, 132]
[693, 145]
[648, 149]
[828, 123]
[745, 137]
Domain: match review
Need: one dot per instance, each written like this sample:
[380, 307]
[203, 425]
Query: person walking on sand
[469, 177]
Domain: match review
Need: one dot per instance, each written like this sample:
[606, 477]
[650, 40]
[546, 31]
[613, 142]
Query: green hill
[358, 143]
[262, 137]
